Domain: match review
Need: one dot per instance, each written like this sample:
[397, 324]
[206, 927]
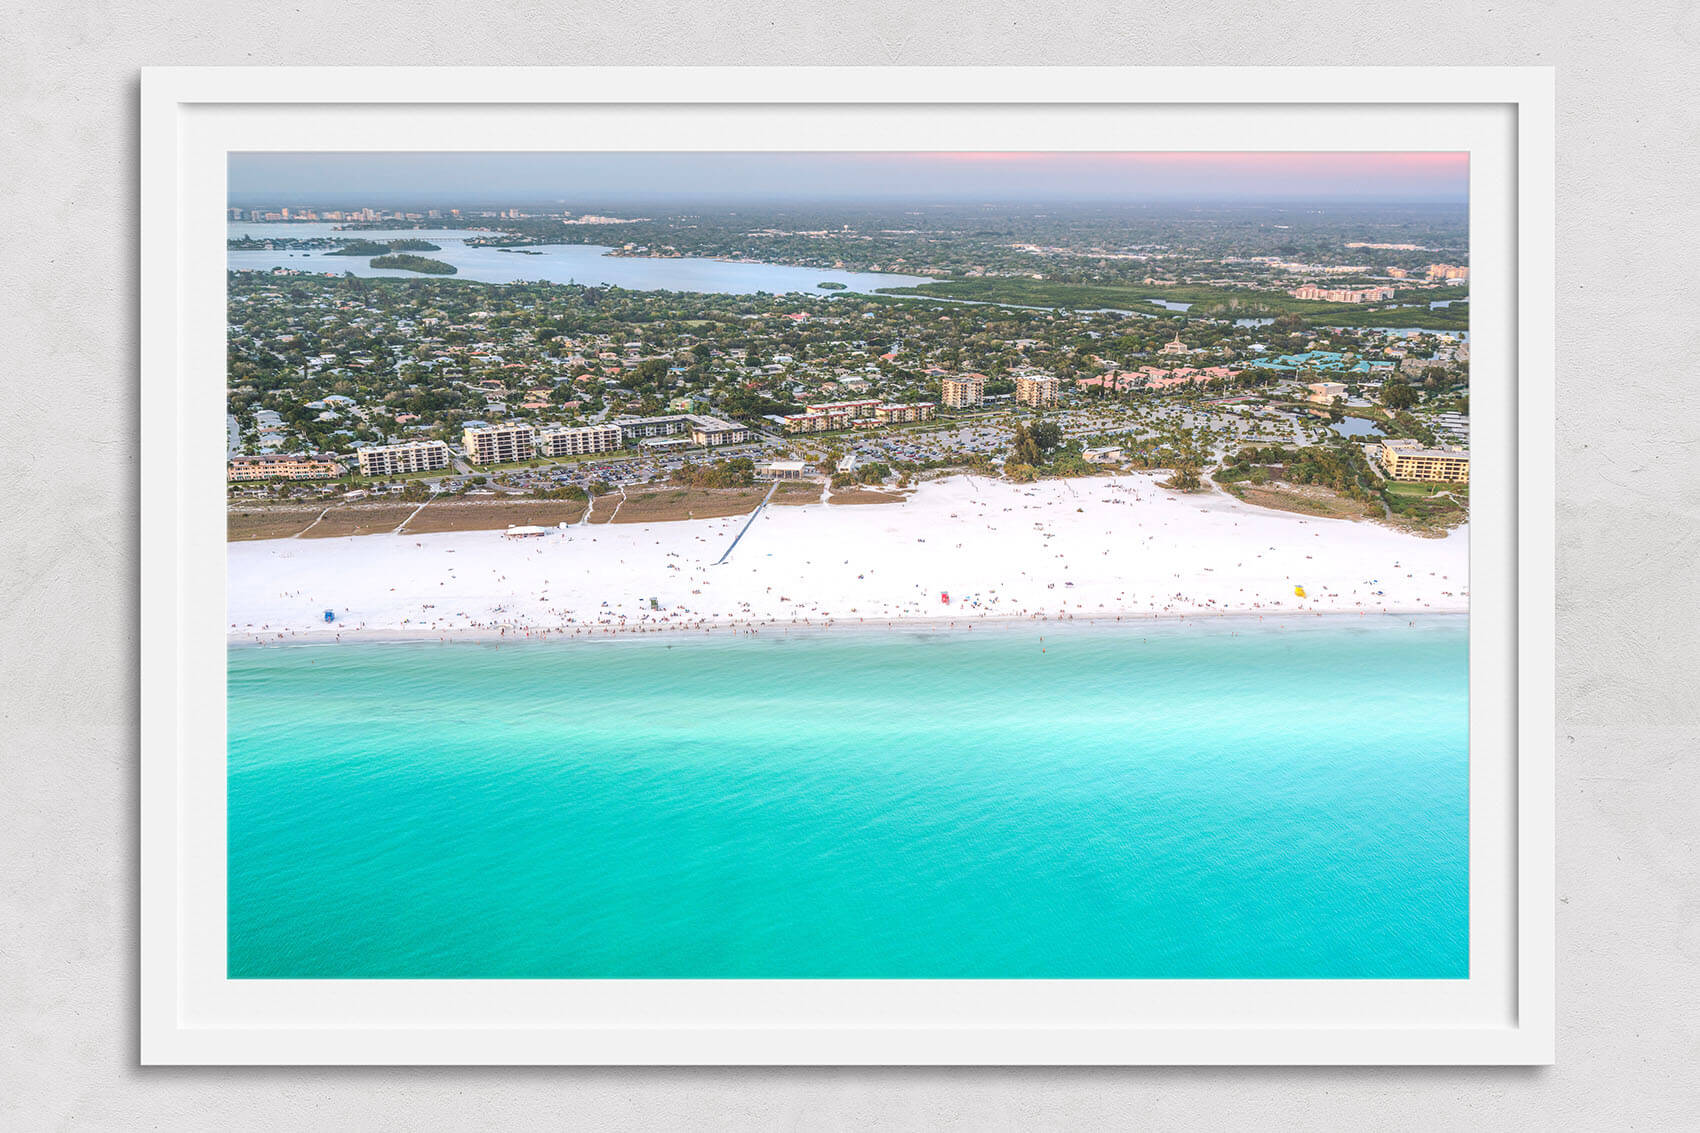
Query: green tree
[1186, 475]
[1023, 449]
[1398, 395]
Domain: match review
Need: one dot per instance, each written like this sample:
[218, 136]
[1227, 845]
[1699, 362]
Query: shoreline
[960, 550]
[995, 623]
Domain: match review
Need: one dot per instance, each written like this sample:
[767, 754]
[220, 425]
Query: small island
[831, 286]
[375, 248]
[423, 264]
[361, 248]
[519, 251]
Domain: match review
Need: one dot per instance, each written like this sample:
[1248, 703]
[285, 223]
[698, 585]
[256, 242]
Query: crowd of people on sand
[515, 603]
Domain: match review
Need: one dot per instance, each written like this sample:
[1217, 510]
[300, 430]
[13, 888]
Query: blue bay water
[588, 264]
[1217, 799]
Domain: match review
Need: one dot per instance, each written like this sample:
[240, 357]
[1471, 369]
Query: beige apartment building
[1405, 459]
[844, 415]
[581, 441]
[499, 444]
[901, 414]
[1037, 390]
[283, 466]
[964, 391]
[855, 410]
[712, 431]
[1324, 393]
[813, 422]
[1342, 294]
[409, 456]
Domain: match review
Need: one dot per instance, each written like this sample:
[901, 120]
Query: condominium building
[637, 428]
[1342, 294]
[499, 444]
[1448, 272]
[852, 409]
[581, 441]
[284, 466]
[816, 422]
[899, 414]
[1405, 459]
[409, 456]
[705, 431]
[1037, 390]
[964, 391]
[713, 431]
[844, 415]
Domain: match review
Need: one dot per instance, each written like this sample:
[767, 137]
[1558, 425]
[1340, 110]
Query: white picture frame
[191, 118]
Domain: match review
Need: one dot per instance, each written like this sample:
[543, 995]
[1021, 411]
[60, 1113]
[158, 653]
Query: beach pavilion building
[783, 470]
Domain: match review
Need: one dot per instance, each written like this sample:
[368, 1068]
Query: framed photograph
[840, 566]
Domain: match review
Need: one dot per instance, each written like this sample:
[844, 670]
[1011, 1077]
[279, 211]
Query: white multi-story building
[409, 456]
[499, 444]
[704, 431]
[581, 441]
[713, 431]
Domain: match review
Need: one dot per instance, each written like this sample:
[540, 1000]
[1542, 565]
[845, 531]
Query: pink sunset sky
[937, 176]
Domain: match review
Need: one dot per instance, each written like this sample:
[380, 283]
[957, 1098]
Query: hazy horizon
[331, 180]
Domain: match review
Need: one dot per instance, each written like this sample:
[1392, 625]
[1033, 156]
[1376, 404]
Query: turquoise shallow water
[1197, 800]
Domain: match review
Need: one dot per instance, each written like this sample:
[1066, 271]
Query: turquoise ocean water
[1215, 799]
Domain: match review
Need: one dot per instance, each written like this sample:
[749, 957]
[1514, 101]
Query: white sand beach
[1089, 548]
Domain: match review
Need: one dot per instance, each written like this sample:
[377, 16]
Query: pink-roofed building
[1114, 383]
[1186, 375]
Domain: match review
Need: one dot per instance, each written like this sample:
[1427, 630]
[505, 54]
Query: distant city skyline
[444, 178]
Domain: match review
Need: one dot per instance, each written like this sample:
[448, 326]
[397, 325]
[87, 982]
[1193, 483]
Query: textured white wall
[1629, 934]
